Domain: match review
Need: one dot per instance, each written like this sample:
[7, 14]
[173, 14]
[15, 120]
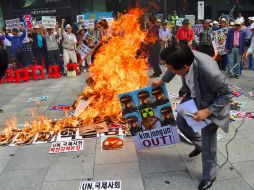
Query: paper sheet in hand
[190, 107]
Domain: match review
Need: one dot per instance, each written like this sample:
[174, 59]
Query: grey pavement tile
[249, 134]
[30, 158]
[22, 179]
[128, 173]
[69, 167]
[239, 151]
[171, 180]
[246, 171]
[3, 164]
[194, 165]
[227, 136]
[232, 184]
[160, 160]
[61, 185]
[116, 156]
[7, 152]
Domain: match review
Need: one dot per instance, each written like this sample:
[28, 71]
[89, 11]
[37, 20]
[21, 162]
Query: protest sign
[70, 146]
[89, 23]
[157, 137]
[49, 21]
[98, 15]
[84, 50]
[179, 21]
[80, 18]
[13, 23]
[219, 38]
[37, 99]
[98, 185]
[198, 28]
[191, 19]
[28, 21]
[68, 134]
[39, 23]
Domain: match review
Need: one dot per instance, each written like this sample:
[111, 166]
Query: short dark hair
[15, 30]
[177, 55]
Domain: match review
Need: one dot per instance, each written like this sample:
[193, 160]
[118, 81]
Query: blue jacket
[230, 40]
[16, 42]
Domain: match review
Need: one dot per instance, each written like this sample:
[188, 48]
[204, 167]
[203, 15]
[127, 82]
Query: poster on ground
[69, 146]
[98, 185]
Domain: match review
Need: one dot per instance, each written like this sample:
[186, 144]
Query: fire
[116, 69]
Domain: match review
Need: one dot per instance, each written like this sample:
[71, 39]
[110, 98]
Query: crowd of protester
[50, 46]
[239, 41]
[59, 45]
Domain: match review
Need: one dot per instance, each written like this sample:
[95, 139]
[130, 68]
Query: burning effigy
[116, 69]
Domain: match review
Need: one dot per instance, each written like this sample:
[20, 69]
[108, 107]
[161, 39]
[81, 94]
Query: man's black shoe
[194, 153]
[205, 184]
[64, 74]
[1, 111]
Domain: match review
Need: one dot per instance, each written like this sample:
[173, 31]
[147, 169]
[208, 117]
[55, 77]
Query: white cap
[215, 22]
[251, 26]
[36, 27]
[231, 24]
[238, 22]
[68, 26]
[159, 20]
[251, 18]
[223, 20]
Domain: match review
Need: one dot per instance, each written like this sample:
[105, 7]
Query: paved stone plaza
[33, 168]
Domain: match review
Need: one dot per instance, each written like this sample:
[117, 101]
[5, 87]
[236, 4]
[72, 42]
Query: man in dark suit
[203, 82]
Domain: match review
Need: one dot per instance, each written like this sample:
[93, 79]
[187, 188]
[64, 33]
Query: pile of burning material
[116, 69]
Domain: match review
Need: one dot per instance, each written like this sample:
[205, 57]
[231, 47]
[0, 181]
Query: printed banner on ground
[49, 21]
[70, 146]
[13, 23]
[157, 137]
[99, 185]
[37, 99]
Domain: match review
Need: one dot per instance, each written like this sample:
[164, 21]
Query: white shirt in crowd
[189, 79]
[164, 34]
[251, 48]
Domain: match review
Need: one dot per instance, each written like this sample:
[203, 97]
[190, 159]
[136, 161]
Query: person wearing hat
[231, 25]
[185, 33]
[165, 35]
[69, 45]
[133, 125]
[17, 45]
[235, 48]
[144, 99]
[80, 37]
[251, 48]
[158, 23]
[159, 97]
[39, 45]
[53, 50]
[215, 25]
[205, 41]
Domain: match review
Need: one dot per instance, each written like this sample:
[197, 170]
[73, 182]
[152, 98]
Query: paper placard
[219, 38]
[98, 185]
[157, 137]
[13, 23]
[89, 23]
[28, 21]
[37, 99]
[70, 146]
[84, 50]
[198, 28]
[49, 21]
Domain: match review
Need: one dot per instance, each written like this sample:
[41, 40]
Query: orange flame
[116, 69]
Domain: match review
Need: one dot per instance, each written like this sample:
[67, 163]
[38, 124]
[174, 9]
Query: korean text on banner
[70, 146]
[157, 137]
[97, 185]
[49, 21]
[13, 23]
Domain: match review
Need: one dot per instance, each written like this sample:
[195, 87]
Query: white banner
[201, 10]
[84, 50]
[70, 146]
[89, 23]
[98, 185]
[157, 137]
[49, 21]
[14, 23]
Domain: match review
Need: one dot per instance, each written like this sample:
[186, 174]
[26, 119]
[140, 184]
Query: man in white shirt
[165, 35]
[69, 45]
